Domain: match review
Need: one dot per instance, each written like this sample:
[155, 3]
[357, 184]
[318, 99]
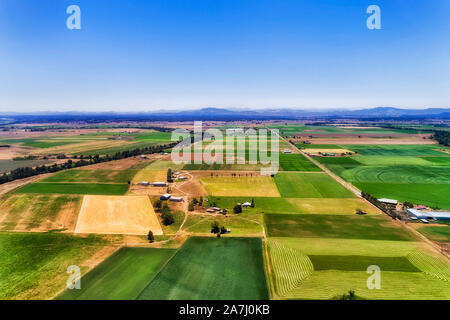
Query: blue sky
[140, 55]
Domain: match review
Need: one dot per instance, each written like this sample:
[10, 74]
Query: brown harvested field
[117, 215]
[35, 212]
[83, 147]
[193, 188]
[13, 151]
[122, 164]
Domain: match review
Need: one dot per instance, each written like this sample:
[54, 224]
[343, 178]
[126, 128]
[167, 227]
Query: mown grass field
[327, 268]
[74, 188]
[334, 226]
[251, 186]
[211, 268]
[296, 205]
[309, 185]
[296, 162]
[36, 211]
[240, 225]
[434, 195]
[122, 276]
[436, 233]
[93, 176]
[33, 265]
[397, 150]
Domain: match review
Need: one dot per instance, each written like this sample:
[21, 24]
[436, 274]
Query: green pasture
[212, 268]
[93, 176]
[34, 265]
[75, 188]
[434, 195]
[309, 185]
[334, 226]
[296, 162]
[122, 276]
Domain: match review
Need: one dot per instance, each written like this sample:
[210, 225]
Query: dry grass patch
[117, 215]
[248, 186]
[332, 206]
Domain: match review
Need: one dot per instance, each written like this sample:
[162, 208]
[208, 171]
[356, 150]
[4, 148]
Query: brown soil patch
[117, 215]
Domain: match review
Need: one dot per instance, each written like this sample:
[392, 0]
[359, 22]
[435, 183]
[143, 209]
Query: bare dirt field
[117, 215]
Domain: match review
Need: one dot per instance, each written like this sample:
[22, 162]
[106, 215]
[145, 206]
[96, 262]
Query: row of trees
[442, 137]
[380, 205]
[26, 172]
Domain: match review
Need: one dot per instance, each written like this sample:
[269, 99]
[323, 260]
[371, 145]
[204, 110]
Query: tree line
[25, 172]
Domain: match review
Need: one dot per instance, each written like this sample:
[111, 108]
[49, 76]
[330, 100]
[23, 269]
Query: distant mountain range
[232, 115]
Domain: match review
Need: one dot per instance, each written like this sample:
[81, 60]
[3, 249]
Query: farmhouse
[176, 199]
[165, 196]
[159, 184]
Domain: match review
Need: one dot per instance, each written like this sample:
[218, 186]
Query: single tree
[150, 236]
[253, 203]
[158, 205]
[237, 208]
[191, 206]
[169, 175]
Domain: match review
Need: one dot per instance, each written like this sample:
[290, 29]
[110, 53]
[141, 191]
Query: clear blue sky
[138, 55]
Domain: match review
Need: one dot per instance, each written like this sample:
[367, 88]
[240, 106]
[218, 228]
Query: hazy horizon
[153, 56]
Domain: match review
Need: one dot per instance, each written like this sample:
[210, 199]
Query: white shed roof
[390, 201]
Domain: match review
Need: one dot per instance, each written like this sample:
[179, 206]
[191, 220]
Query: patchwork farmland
[296, 234]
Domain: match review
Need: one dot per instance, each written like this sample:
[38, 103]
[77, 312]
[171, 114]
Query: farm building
[391, 203]
[182, 178]
[176, 199]
[165, 196]
[159, 184]
[210, 210]
[287, 151]
[435, 215]
[246, 204]
[144, 183]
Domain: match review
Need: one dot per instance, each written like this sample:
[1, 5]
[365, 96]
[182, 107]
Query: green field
[326, 268]
[94, 176]
[391, 160]
[75, 188]
[360, 263]
[122, 276]
[398, 174]
[436, 233]
[33, 265]
[211, 268]
[296, 162]
[249, 224]
[396, 150]
[434, 195]
[309, 185]
[438, 161]
[334, 226]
